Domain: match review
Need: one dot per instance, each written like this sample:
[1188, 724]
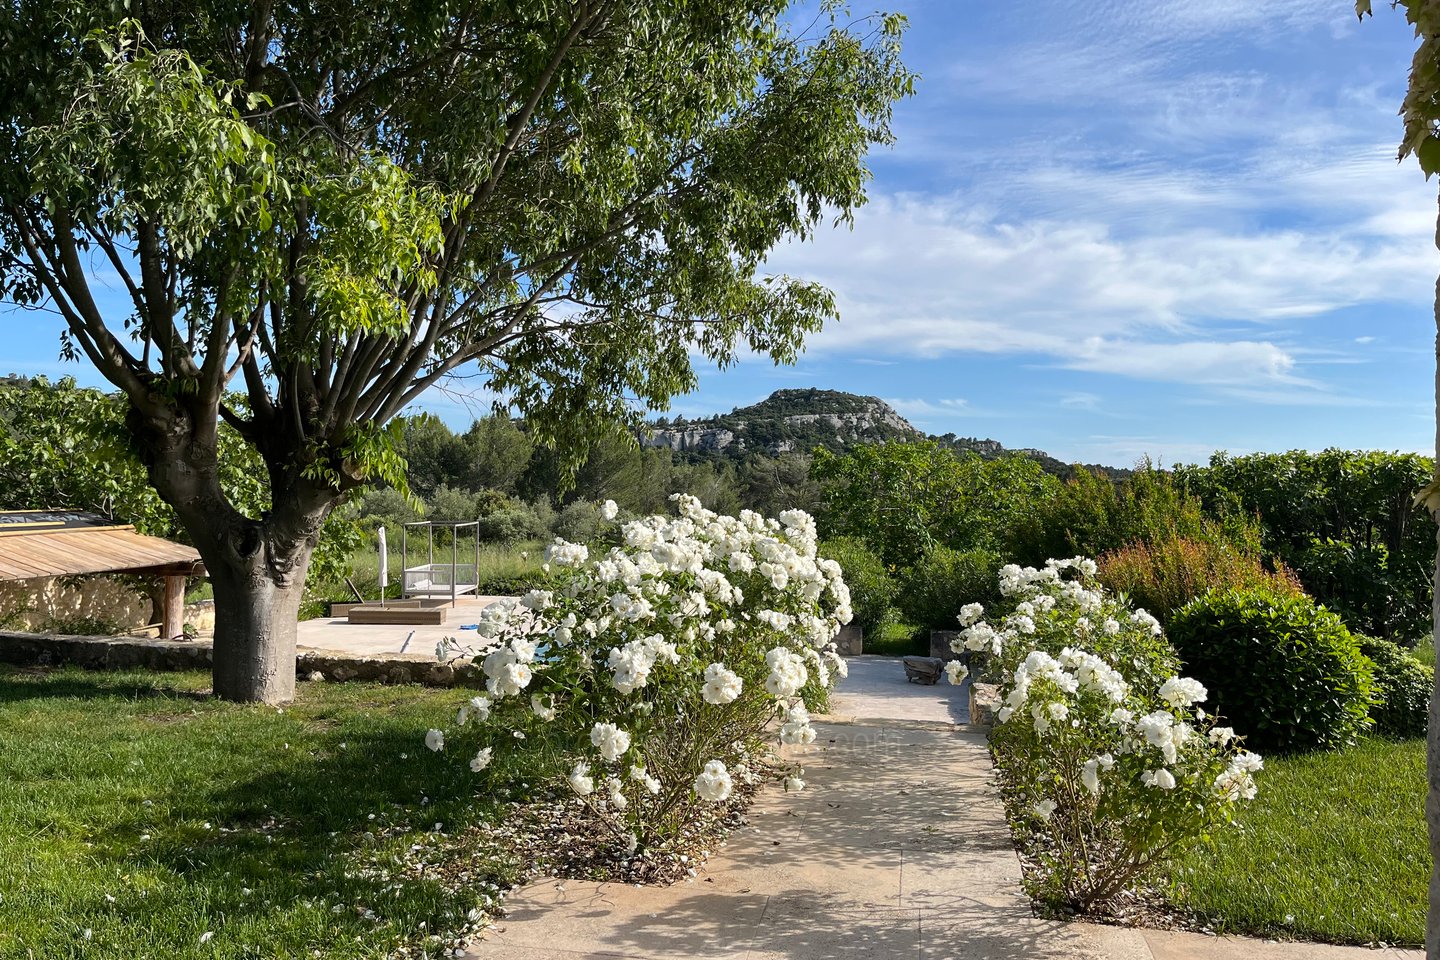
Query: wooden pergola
[39, 544]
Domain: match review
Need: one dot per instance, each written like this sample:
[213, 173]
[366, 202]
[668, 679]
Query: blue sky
[1113, 229]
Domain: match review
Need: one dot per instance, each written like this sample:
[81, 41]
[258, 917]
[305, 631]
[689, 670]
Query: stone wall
[120, 653]
[38, 604]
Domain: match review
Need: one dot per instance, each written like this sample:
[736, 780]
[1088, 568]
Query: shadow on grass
[258, 820]
[18, 684]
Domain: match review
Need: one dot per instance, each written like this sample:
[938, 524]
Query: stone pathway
[897, 848]
[373, 640]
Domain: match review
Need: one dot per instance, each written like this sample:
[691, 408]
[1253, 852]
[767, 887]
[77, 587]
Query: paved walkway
[370, 640]
[897, 848]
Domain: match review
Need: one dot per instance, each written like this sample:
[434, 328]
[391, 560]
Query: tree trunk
[256, 566]
[255, 625]
[1432, 739]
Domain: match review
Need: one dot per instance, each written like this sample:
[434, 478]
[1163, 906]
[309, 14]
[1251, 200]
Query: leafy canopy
[342, 206]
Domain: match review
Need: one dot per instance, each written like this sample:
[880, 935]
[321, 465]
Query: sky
[1112, 230]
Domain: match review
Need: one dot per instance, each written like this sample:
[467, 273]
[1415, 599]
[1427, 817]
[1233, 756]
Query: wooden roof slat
[102, 547]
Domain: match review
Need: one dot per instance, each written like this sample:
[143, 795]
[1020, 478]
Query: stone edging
[120, 653]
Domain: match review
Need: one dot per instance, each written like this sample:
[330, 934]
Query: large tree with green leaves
[1420, 112]
[333, 206]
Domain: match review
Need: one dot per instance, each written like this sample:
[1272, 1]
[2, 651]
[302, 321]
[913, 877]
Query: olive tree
[331, 207]
[1421, 115]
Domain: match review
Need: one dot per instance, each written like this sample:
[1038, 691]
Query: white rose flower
[581, 781]
[714, 783]
[722, 685]
[1044, 809]
[481, 760]
[611, 741]
[956, 672]
[435, 740]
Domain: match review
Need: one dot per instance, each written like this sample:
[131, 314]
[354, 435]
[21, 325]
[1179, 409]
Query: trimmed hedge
[1284, 672]
[1402, 689]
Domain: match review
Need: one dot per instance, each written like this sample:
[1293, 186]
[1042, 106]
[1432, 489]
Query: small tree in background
[338, 208]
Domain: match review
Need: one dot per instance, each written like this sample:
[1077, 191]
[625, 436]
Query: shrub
[1402, 689]
[1091, 515]
[944, 580]
[1165, 575]
[1106, 763]
[1365, 586]
[872, 589]
[578, 522]
[511, 525]
[1284, 671]
[656, 667]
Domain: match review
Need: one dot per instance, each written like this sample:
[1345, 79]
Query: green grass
[139, 810]
[1333, 848]
[899, 640]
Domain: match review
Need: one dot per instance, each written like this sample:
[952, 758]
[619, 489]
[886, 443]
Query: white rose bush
[652, 670]
[1109, 762]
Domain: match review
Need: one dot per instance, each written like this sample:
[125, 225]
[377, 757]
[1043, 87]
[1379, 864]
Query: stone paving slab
[898, 848]
[876, 689]
[366, 639]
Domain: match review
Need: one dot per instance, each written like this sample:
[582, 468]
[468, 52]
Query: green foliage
[1164, 575]
[1344, 520]
[578, 522]
[905, 498]
[943, 581]
[1089, 515]
[65, 447]
[84, 626]
[1282, 670]
[1402, 689]
[449, 503]
[385, 507]
[873, 589]
[512, 525]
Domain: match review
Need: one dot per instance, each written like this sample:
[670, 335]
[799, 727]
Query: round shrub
[1284, 671]
[578, 522]
[944, 580]
[513, 525]
[659, 672]
[872, 589]
[1402, 689]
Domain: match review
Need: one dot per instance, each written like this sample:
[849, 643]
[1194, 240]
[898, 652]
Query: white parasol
[384, 564]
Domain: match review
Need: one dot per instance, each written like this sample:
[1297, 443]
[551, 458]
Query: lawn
[1333, 848]
[899, 640]
[139, 816]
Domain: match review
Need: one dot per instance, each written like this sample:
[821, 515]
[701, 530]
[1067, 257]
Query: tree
[905, 498]
[1421, 115]
[339, 205]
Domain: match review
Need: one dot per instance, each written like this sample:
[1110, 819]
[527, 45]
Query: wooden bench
[375, 614]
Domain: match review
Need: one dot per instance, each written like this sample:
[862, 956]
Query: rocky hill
[800, 420]
[788, 420]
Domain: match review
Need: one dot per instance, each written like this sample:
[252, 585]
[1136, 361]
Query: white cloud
[1175, 300]
[918, 408]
